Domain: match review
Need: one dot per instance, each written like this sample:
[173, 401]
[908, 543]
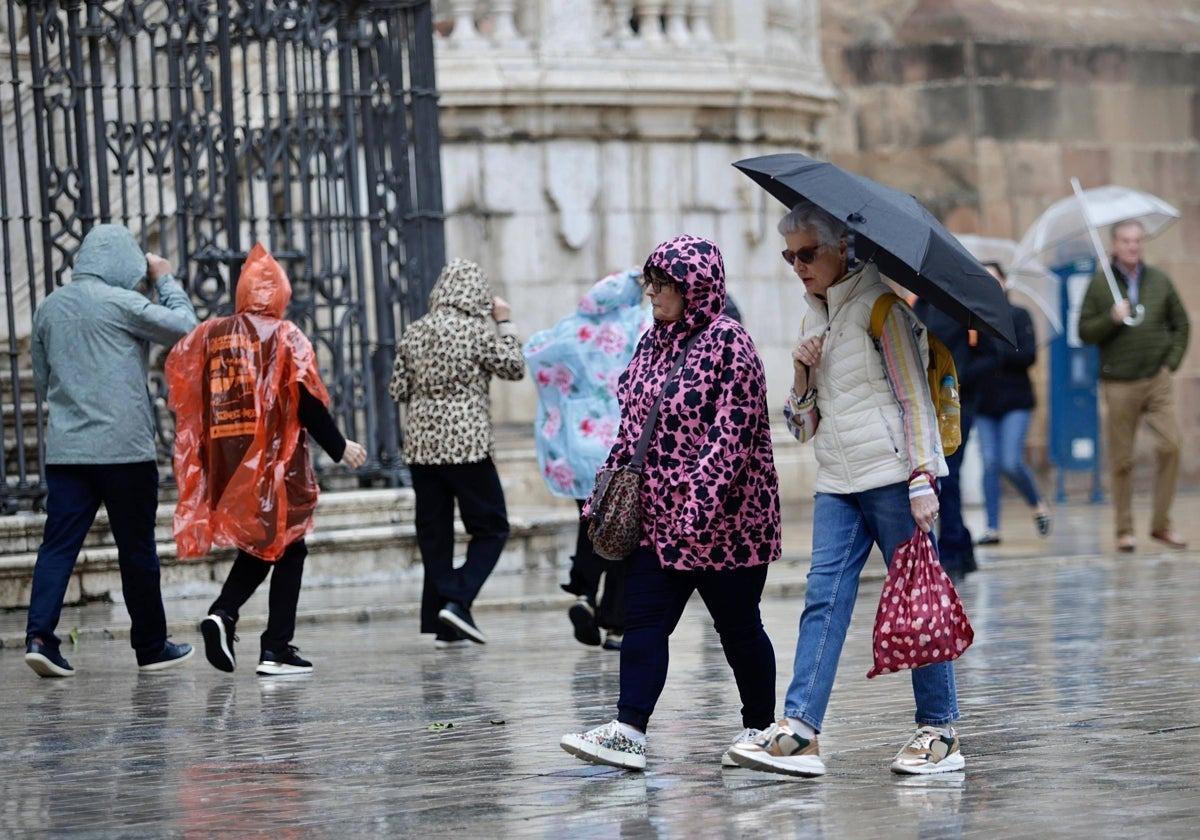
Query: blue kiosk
[1074, 379]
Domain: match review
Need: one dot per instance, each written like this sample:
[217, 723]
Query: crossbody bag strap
[639, 454]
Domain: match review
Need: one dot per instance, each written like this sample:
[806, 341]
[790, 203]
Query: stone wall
[564, 160]
[984, 110]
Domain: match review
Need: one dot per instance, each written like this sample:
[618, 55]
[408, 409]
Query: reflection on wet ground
[1079, 699]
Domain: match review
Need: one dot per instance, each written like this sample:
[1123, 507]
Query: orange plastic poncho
[241, 462]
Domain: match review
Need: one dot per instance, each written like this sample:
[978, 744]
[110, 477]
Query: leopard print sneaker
[607, 745]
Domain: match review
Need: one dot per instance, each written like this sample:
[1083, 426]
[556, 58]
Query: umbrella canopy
[1031, 283]
[1064, 221]
[892, 229]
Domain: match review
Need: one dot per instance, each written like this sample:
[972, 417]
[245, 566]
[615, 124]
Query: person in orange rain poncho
[245, 389]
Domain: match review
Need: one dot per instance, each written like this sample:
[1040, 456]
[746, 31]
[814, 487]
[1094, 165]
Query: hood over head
[462, 285]
[617, 291]
[696, 265]
[111, 254]
[263, 286]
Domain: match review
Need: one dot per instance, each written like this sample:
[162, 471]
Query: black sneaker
[612, 641]
[286, 660]
[583, 619]
[46, 660]
[170, 656]
[458, 617]
[217, 630]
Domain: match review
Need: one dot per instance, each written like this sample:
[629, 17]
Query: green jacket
[1128, 353]
[91, 340]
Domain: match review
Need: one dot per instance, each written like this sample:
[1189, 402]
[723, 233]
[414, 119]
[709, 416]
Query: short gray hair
[1127, 223]
[808, 216]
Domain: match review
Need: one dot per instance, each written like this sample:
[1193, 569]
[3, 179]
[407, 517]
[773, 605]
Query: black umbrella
[893, 230]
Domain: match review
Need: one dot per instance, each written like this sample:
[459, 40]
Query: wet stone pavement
[1080, 703]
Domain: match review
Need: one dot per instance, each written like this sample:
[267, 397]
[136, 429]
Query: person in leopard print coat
[710, 497]
[444, 365]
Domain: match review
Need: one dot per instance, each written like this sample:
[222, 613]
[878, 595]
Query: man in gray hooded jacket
[91, 343]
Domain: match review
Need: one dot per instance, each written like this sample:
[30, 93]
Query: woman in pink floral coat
[710, 500]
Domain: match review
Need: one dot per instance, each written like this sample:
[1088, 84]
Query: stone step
[22, 532]
[339, 553]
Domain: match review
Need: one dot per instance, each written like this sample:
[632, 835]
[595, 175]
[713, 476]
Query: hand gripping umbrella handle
[1139, 313]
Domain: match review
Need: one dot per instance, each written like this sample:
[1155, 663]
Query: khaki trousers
[1126, 404]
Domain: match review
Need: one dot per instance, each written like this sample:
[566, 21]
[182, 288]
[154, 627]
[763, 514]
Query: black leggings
[587, 568]
[247, 575]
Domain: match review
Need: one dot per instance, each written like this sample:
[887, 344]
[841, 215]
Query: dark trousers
[247, 575]
[129, 492]
[955, 544]
[476, 489]
[655, 599]
[587, 568]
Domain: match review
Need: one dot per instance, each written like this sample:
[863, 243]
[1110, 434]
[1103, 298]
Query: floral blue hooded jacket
[576, 365]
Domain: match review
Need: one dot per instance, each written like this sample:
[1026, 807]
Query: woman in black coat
[1002, 421]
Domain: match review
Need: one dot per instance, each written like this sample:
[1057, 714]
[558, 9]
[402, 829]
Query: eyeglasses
[805, 255]
[655, 285]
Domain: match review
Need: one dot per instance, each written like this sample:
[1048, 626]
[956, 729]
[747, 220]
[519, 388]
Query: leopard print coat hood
[444, 365]
[710, 493]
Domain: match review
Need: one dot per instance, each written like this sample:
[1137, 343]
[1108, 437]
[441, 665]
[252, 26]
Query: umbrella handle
[1139, 312]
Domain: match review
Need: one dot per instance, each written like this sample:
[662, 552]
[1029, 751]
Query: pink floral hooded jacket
[710, 493]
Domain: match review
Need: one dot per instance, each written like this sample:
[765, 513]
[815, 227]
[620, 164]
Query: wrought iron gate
[208, 125]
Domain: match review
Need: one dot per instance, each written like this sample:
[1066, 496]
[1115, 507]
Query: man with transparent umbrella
[1137, 361]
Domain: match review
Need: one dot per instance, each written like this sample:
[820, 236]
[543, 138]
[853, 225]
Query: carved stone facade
[577, 134]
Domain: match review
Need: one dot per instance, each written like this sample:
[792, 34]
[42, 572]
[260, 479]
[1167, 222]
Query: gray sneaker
[748, 736]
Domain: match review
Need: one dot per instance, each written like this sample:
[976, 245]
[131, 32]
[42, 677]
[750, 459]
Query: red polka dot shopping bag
[920, 619]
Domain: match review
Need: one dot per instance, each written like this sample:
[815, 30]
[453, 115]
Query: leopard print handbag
[616, 521]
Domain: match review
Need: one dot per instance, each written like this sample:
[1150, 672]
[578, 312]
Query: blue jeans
[1002, 444]
[129, 492]
[846, 529]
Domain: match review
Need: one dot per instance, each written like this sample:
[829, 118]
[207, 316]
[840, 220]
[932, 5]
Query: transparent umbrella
[1030, 284]
[1084, 215]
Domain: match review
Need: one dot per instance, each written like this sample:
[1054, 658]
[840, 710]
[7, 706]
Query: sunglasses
[805, 255]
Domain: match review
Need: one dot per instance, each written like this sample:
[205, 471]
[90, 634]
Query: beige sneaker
[779, 750]
[929, 751]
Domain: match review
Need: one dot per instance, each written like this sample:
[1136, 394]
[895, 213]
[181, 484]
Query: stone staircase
[362, 537]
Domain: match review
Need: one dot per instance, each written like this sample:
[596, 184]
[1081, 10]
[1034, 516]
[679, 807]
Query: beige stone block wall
[1019, 114]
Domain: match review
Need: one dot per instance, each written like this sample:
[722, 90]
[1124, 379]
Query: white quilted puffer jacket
[860, 443]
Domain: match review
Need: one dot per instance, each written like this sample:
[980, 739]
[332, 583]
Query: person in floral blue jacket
[576, 365]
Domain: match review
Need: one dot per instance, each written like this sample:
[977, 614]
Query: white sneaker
[929, 751]
[747, 737]
[779, 750]
[607, 744]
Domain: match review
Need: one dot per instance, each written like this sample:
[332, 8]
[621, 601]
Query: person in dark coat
[976, 358]
[1002, 423]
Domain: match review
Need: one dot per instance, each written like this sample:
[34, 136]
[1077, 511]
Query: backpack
[941, 373]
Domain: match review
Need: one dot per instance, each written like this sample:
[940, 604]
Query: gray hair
[808, 216]
[1127, 223]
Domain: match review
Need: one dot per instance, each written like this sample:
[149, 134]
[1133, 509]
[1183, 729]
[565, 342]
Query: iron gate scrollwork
[208, 125]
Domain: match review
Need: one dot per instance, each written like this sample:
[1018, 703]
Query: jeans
[247, 575]
[1002, 444]
[846, 528]
[587, 568]
[129, 492]
[955, 543]
[655, 599]
[476, 488]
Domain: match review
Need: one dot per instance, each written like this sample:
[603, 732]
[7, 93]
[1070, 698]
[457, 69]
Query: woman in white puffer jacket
[866, 406]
